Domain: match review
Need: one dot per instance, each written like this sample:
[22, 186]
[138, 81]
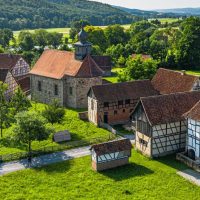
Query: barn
[110, 154]
[160, 126]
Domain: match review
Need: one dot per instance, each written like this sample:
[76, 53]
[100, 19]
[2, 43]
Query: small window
[124, 110]
[143, 142]
[120, 103]
[70, 90]
[106, 104]
[115, 112]
[127, 101]
[39, 86]
[56, 89]
[92, 104]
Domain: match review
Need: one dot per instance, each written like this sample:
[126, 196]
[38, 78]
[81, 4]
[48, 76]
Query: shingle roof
[24, 83]
[121, 91]
[56, 64]
[104, 62]
[111, 147]
[3, 74]
[169, 108]
[194, 112]
[8, 61]
[169, 81]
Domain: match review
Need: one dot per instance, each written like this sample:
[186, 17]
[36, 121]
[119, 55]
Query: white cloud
[153, 4]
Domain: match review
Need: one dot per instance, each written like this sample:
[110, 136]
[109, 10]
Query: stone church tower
[82, 47]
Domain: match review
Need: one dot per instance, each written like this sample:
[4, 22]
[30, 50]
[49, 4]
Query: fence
[55, 148]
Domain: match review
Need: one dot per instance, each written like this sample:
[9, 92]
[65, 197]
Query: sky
[153, 4]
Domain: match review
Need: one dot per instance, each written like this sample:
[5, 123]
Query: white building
[193, 133]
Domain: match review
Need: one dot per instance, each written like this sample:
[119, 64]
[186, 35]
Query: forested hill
[31, 14]
[183, 11]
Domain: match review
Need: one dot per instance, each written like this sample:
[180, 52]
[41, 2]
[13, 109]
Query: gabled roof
[122, 91]
[168, 108]
[3, 74]
[8, 61]
[194, 112]
[56, 64]
[168, 81]
[103, 61]
[111, 147]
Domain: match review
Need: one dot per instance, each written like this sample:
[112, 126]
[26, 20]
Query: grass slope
[141, 179]
[80, 130]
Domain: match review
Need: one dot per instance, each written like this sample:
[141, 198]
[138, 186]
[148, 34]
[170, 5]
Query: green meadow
[141, 179]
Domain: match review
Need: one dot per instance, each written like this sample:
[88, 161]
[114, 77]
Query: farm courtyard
[141, 179]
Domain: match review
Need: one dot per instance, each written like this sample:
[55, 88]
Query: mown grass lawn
[80, 130]
[140, 180]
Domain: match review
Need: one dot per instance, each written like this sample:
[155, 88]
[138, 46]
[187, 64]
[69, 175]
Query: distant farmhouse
[160, 125]
[113, 103]
[14, 72]
[68, 76]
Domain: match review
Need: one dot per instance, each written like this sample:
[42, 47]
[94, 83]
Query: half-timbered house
[19, 69]
[113, 103]
[193, 132]
[169, 81]
[160, 125]
[111, 154]
[7, 78]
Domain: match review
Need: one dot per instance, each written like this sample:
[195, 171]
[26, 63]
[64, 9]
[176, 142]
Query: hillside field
[141, 179]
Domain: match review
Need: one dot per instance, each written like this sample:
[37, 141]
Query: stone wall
[46, 95]
[92, 111]
[83, 86]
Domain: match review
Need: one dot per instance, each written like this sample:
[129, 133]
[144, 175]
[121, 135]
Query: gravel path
[44, 160]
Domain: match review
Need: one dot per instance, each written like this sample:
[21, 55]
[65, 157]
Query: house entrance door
[105, 118]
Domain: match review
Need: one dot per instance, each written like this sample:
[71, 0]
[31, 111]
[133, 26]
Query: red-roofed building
[14, 72]
[66, 76]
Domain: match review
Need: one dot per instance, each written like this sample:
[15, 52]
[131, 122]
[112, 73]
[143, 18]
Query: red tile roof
[56, 64]
[169, 108]
[111, 147]
[104, 62]
[121, 91]
[169, 81]
[194, 112]
[8, 61]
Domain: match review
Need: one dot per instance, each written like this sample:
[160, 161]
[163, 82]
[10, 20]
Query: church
[68, 76]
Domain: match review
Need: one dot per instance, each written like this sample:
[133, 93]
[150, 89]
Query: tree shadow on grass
[171, 161]
[126, 172]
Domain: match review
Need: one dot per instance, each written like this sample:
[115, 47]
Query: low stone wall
[110, 164]
[83, 116]
[189, 162]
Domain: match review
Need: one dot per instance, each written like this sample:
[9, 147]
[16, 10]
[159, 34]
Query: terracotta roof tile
[169, 81]
[56, 64]
[121, 91]
[8, 61]
[194, 112]
[169, 108]
[111, 147]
